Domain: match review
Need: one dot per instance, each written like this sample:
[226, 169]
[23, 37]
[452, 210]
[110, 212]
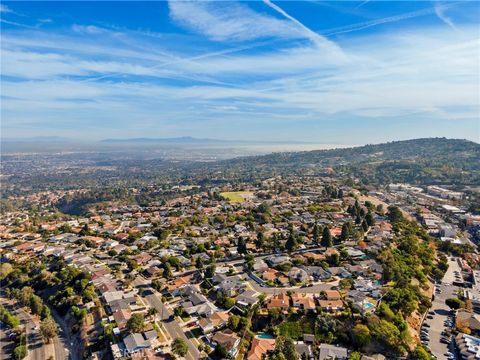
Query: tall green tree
[241, 246]
[48, 329]
[135, 323]
[327, 237]
[179, 347]
[291, 244]
[316, 233]
[345, 232]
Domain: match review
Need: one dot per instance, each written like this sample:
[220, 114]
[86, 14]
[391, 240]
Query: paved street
[35, 344]
[37, 349]
[61, 343]
[171, 326]
[441, 312]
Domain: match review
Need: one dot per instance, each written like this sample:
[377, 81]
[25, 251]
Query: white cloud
[385, 20]
[123, 76]
[440, 12]
[224, 21]
[5, 9]
[87, 29]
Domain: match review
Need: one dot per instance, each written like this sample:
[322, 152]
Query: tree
[361, 335]
[8, 318]
[221, 352]
[36, 304]
[326, 237]
[167, 270]
[355, 355]
[345, 232]
[152, 312]
[210, 271]
[229, 302]
[454, 303]
[260, 240]
[263, 208]
[233, 322]
[364, 226]
[25, 295]
[20, 352]
[48, 329]
[261, 298]
[394, 214]
[385, 332]
[85, 230]
[345, 284]
[179, 347]
[369, 219]
[285, 346]
[241, 246]
[179, 311]
[291, 243]
[420, 354]
[135, 323]
[316, 233]
[249, 261]
[5, 269]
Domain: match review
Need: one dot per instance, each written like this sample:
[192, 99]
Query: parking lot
[435, 332]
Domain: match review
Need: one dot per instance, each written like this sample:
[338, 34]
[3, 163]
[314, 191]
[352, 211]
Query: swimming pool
[265, 336]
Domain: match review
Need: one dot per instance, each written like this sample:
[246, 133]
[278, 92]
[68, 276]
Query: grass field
[236, 196]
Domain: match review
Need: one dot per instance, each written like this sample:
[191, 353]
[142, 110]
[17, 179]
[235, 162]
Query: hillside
[420, 161]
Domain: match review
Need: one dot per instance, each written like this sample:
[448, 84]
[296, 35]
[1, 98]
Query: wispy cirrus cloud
[440, 12]
[230, 21]
[237, 76]
[385, 20]
[313, 36]
[5, 9]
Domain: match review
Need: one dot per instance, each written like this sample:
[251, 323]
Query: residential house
[280, 301]
[298, 275]
[247, 298]
[217, 320]
[260, 347]
[303, 301]
[228, 340]
[317, 273]
[331, 305]
[135, 342]
[332, 352]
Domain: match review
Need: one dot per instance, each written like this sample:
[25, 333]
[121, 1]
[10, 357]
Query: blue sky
[328, 72]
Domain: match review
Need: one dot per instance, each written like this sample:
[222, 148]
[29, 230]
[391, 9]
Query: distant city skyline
[325, 72]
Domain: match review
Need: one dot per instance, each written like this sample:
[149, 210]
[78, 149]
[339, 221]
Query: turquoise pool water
[368, 305]
[265, 336]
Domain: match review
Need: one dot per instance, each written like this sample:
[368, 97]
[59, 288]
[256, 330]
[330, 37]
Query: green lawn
[295, 326]
[236, 196]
